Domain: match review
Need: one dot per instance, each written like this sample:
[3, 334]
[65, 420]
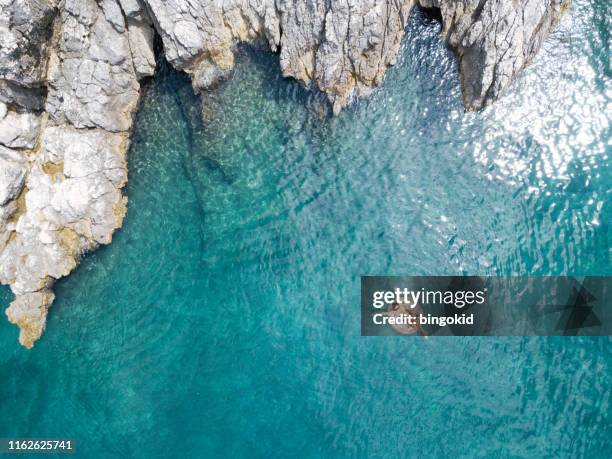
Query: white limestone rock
[345, 47]
[141, 36]
[18, 130]
[132, 9]
[29, 312]
[61, 195]
[92, 81]
[73, 203]
[12, 175]
[25, 30]
[495, 40]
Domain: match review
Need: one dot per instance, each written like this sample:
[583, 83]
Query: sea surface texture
[223, 320]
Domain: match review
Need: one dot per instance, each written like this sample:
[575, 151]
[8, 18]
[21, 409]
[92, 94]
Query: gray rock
[92, 81]
[345, 47]
[13, 170]
[494, 40]
[141, 36]
[18, 130]
[29, 313]
[30, 99]
[132, 9]
[73, 203]
[62, 196]
[25, 29]
[12, 175]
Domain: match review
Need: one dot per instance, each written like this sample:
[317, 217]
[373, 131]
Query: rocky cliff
[70, 73]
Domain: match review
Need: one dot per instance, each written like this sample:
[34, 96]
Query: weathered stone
[31, 99]
[494, 40]
[18, 130]
[29, 313]
[62, 196]
[12, 175]
[344, 47]
[141, 46]
[25, 29]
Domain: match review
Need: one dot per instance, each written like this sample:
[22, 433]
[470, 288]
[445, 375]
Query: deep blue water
[223, 320]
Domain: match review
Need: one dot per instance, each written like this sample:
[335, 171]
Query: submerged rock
[69, 89]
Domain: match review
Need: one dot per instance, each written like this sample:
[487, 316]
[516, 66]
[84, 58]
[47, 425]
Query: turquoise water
[224, 319]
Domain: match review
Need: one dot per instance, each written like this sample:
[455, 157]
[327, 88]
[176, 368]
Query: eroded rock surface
[344, 47]
[494, 40]
[61, 178]
[69, 89]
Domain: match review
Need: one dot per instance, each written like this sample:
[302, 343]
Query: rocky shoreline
[70, 84]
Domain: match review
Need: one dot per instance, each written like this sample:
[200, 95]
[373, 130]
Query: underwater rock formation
[70, 73]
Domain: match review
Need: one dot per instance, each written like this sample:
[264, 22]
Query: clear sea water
[223, 321]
